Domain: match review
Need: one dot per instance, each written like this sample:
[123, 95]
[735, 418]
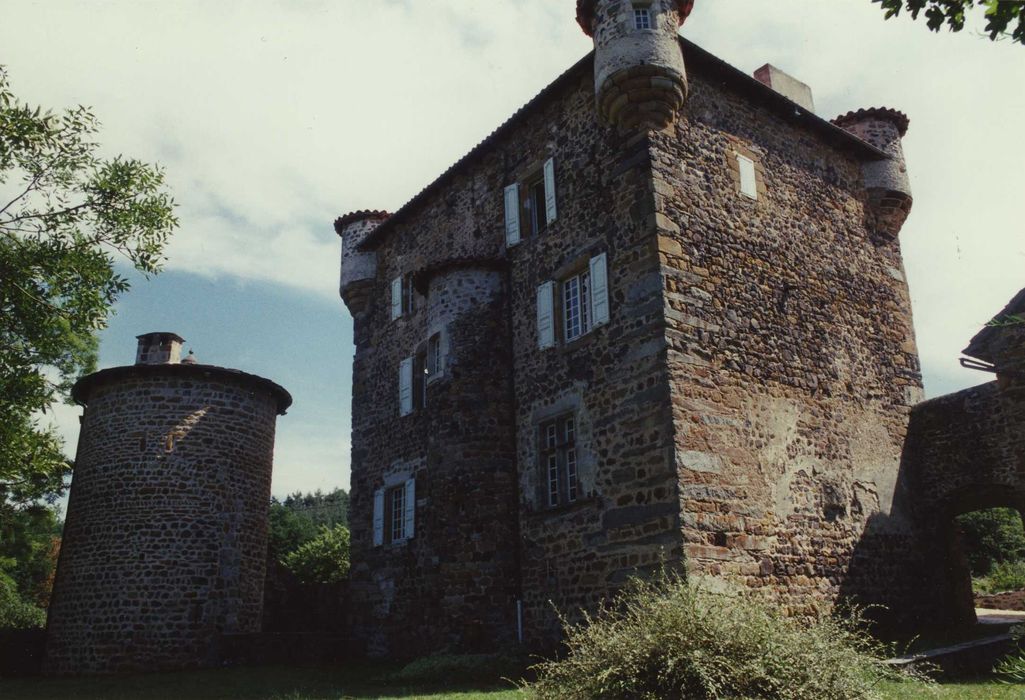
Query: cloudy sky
[273, 118]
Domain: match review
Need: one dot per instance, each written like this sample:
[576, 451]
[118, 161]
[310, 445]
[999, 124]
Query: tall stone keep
[639, 77]
[887, 183]
[165, 540]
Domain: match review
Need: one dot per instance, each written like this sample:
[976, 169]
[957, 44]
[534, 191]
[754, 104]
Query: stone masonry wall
[165, 539]
[965, 451]
[792, 356]
[613, 380]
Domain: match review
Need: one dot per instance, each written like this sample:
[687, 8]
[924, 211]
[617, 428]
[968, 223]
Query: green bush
[992, 536]
[324, 559]
[15, 613]
[1011, 668]
[1005, 576]
[667, 639]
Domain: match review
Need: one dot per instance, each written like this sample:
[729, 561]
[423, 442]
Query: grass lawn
[969, 690]
[294, 683]
[267, 683]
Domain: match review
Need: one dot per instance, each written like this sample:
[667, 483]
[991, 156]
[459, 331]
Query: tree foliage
[29, 543]
[299, 518]
[324, 559]
[1003, 17]
[15, 612]
[992, 536]
[289, 530]
[328, 509]
[66, 216]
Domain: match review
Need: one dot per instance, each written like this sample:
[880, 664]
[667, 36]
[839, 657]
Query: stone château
[658, 316]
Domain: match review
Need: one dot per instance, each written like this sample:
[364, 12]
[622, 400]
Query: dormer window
[642, 17]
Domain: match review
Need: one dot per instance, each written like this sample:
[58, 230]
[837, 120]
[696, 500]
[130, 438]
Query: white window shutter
[396, 298]
[748, 183]
[408, 517]
[378, 517]
[512, 215]
[550, 210]
[545, 320]
[599, 290]
[406, 387]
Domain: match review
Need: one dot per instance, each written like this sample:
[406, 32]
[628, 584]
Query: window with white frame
[394, 513]
[396, 509]
[576, 311]
[530, 206]
[642, 17]
[574, 305]
[559, 460]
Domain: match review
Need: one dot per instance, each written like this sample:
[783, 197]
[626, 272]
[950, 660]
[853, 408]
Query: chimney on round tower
[159, 348]
[639, 78]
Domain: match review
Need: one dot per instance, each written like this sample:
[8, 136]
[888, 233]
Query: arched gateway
[966, 451]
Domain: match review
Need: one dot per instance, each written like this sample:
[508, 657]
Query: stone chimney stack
[159, 349]
[639, 78]
[358, 268]
[786, 85]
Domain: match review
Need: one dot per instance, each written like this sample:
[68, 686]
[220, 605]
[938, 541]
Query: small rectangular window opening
[408, 295]
[434, 364]
[534, 205]
[420, 376]
[642, 17]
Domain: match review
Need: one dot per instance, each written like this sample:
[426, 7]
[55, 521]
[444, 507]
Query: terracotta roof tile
[360, 215]
[897, 117]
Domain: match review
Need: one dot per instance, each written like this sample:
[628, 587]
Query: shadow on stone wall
[21, 652]
[964, 452]
[303, 624]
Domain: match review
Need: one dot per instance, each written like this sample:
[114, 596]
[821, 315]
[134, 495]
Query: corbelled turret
[639, 77]
[889, 189]
[358, 268]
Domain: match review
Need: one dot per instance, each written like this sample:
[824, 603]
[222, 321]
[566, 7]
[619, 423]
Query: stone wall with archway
[964, 452]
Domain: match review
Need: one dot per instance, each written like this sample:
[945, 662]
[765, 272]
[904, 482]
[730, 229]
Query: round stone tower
[639, 77]
[165, 540]
[358, 268]
[886, 180]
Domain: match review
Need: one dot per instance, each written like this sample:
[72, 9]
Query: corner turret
[358, 268]
[639, 77]
[889, 189]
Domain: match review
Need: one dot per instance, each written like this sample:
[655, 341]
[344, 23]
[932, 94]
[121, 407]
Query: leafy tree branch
[67, 214]
[1004, 18]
